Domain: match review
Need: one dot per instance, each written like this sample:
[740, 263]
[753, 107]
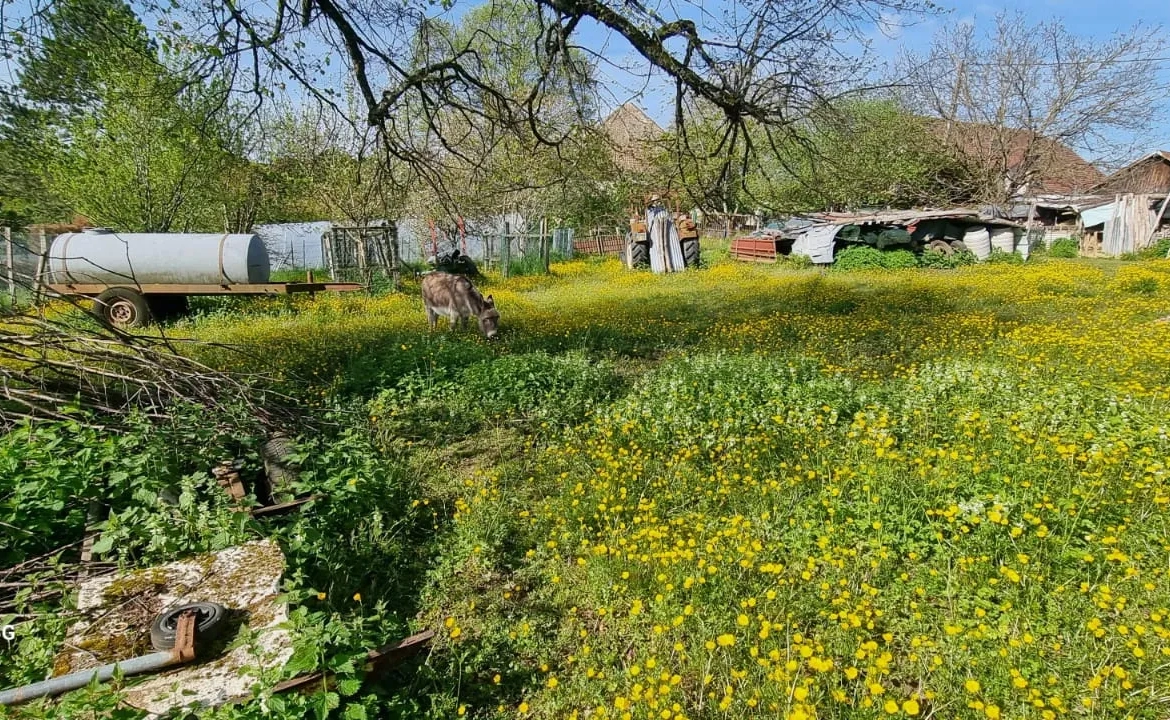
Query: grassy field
[739, 492]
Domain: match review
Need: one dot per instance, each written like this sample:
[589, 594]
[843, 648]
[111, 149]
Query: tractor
[638, 243]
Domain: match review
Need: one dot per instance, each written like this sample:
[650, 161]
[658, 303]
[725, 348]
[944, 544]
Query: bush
[859, 257]
[939, 260]
[1157, 251]
[1064, 248]
[796, 261]
[999, 257]
[898, 259]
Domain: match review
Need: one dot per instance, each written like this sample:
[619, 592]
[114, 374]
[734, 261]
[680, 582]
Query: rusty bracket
[228, 475]
[267, 510]
[185, 637]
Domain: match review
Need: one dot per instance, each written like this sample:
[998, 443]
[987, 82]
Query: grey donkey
[455, 298]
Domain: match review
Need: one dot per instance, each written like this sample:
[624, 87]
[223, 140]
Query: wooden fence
[600, 245]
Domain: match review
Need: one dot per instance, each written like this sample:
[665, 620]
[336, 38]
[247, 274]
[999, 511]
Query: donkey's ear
[490, 301]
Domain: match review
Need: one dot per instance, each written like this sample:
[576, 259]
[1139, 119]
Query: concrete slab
[118, 609]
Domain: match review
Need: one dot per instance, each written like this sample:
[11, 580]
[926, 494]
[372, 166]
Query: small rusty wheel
[122, 307]
[210, 619]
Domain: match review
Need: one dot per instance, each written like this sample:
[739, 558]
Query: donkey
[455, 298]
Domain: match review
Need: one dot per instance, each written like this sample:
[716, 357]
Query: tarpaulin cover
[1098, 215]
[816, 243]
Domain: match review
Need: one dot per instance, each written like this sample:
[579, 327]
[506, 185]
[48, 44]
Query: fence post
[42, 258]
[545, 243]
[395, 261]
[8, 264]
[506, 252]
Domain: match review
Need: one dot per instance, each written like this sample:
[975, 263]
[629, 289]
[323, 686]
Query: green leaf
[349, 686]
[303, 660]
[103, 545]
[355, 712]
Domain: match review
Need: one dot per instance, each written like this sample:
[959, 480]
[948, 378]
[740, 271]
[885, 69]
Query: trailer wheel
[210, 619]
[122, 307]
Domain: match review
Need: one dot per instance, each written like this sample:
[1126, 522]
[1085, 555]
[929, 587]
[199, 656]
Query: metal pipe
[73, 681]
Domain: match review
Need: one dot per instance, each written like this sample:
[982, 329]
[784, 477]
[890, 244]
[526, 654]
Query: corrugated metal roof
[910, 217]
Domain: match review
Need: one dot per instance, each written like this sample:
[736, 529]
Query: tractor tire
[958, 246]
[122, 308]
[639, 255]
[210, 620]
[690, 251]
[941, 246]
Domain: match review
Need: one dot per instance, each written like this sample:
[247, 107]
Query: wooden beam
[1149, 240]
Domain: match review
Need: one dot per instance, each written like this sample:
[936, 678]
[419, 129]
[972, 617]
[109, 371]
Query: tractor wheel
[639, 255]
[122, 307]
[690, 251]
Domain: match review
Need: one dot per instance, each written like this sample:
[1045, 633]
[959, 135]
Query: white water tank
[1003, 239]
[106, 257]
[978, 241]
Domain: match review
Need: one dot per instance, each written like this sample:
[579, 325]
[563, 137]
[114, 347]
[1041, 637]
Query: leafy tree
[861, 153]
[1015, 99]
[864, 153]
[147, 157]
[493, 159]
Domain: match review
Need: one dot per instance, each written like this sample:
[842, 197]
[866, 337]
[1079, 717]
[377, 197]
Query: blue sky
[1094, 19]
[624, 71]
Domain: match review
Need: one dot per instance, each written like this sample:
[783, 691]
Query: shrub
[859, 257]
[797, 261]
[999, 257]
[963, 257]
[1156, 251]
[940, 260]
[898, 259]
[1064, 248]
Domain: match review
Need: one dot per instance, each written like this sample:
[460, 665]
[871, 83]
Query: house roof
[632, 133]
[1059, 168]
[1128, 178]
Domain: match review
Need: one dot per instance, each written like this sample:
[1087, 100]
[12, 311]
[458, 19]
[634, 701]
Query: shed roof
[910, 217]
[1141, 176]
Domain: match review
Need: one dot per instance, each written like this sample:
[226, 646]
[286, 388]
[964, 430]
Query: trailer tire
[210, 620]
[122, 308]
[941, 246]
[639, 255]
